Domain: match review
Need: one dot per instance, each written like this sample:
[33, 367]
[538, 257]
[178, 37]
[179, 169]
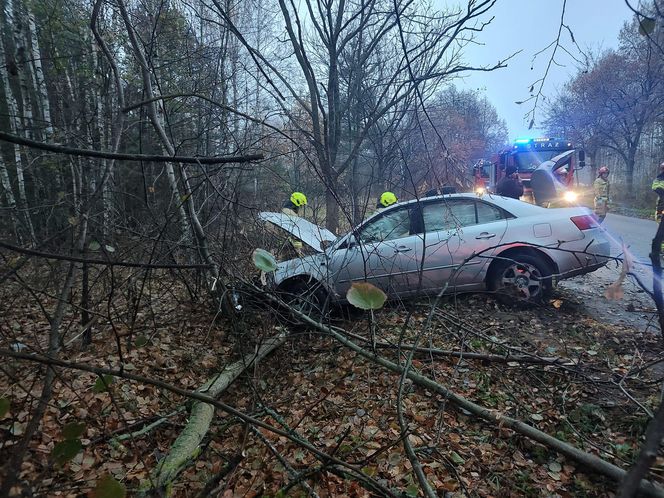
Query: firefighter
[561, 175]
[658, 187]
[602, 198]
[385, 200]
[292, 206]
[509, 185]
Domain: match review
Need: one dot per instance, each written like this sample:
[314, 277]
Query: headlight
[570, 196]
[480, 190]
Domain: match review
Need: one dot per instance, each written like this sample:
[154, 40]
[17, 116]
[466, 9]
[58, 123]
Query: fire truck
[526, 155]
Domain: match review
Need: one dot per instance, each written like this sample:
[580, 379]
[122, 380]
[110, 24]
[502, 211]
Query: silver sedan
[446, 244]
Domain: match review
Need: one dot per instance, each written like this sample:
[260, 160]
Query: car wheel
[523, 278]
[309, 298]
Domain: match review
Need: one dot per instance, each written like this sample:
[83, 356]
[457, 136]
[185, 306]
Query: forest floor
[342, 403]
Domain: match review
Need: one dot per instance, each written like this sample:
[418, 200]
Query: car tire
[309, 298]
[520, 278]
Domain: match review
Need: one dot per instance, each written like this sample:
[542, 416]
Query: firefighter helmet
[387, 199]
[603, 170]
[298, 199]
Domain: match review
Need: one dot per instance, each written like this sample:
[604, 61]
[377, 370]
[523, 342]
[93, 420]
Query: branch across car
[451, 243]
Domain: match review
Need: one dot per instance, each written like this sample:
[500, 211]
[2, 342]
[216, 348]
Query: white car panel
[456, 254]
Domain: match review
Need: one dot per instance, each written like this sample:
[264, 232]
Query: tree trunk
[4, 174]
[331, 208]
[14, 127]
[9, 196]
[215, 288]
[113, 133]
[40, 82]
[25, 73]
[186, 446]
[593, 165]
[155, 113]
[629, 171]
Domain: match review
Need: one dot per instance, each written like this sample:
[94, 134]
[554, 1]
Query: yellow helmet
[387, 199]
[298, 199]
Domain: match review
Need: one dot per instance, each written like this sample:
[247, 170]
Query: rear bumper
[591, 258]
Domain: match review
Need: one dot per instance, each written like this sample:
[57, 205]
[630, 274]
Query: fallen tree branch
[212, 486]
[468, 355]
[654, 434]
[152, 158]
[587, 460]
[187, 445]
[291, 471]
[76, 259]
[145, 429]
[368, 483]
[353, 470]
[425, 486]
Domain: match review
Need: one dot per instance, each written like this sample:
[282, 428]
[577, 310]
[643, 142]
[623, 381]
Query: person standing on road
[509, 185]
[658, 187]
[602, 199]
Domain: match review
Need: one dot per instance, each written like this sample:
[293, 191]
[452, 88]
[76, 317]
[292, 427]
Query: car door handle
[486, 235]
[402, 249]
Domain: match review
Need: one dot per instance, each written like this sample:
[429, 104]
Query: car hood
[303, 230]
[544, 184]
[557, 162]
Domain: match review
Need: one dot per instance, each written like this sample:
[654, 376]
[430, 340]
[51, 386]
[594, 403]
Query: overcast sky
[530, 25]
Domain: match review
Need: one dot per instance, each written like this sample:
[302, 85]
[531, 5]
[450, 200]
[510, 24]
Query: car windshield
[527, 161]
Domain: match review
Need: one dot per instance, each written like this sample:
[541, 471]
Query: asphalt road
[636, 233]
[633, 309]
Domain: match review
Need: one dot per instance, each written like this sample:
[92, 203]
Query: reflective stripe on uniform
[658, 184]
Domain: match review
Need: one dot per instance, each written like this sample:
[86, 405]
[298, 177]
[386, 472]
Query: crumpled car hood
[303, 230]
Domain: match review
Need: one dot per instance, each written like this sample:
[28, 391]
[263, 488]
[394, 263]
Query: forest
[143, 351]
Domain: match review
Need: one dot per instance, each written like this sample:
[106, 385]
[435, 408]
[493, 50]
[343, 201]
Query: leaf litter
[344, 404]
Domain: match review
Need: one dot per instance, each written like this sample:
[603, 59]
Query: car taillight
[585, 222]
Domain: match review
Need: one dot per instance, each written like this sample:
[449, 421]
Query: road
[636, 233]
[588, 291]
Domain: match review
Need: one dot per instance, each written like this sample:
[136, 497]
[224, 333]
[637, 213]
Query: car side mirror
[348, 244]
[325, 244]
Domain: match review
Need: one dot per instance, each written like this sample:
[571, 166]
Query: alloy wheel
[523, 281]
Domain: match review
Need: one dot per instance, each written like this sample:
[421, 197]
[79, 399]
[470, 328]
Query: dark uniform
[658, 187]
[509, 185]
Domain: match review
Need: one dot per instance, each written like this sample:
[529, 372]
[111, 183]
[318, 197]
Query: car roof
[514, 206]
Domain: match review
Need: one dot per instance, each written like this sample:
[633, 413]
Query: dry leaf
[614, 291]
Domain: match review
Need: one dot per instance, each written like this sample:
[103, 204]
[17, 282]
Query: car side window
[449, 215]
[486, 213]
[392, 225]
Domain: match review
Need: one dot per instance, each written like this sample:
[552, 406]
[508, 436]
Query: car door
[479, 237]
[455, 229]
[381, 252]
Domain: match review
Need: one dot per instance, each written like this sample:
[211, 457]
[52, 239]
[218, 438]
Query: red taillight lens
[585, 222]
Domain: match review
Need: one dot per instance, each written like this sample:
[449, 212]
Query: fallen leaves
[108, 487]
[5, 404]
[340, 403]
